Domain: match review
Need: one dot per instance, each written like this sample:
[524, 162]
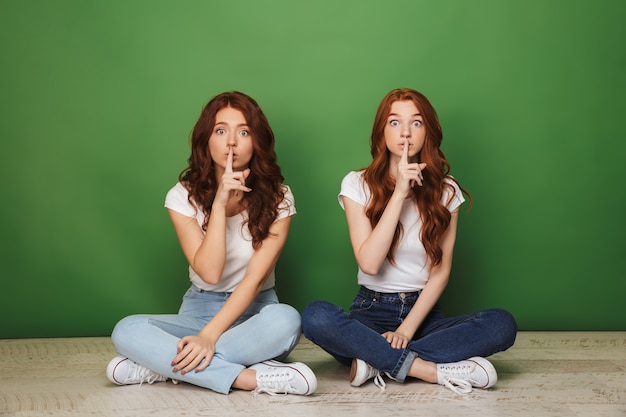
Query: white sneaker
[275, 377]
[461, 376]
[361, 372]
[123, 371]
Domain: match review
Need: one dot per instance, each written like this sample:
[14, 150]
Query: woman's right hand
[408, 174]
[231, 182]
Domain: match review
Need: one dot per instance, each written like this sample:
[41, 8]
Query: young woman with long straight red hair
[231, 213]
[402, 213]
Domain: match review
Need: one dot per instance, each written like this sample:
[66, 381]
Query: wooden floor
[543, 374]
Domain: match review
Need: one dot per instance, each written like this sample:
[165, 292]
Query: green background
[99, 99]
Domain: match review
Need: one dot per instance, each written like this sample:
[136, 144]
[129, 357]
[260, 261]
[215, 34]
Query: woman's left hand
[194, 352]
[397, 340]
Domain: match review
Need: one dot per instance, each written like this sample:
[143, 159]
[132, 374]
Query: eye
[417, 123]
[244, 133]
[394, 123]
[220, 131]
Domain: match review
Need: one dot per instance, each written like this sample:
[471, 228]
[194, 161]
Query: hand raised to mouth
[408, 174]
[232, 181]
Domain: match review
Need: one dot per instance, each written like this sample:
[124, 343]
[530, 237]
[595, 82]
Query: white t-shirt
[412, 265]
[239, 249]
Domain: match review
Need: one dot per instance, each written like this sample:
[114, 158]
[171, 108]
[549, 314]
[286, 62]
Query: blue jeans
[266, 330]
[439, 339]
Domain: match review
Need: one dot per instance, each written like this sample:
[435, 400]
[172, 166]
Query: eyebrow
[225, 123]
[396, 114]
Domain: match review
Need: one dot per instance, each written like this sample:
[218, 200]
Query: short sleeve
[287, 207]
[353, 187]
[452, 196]
[177, 200]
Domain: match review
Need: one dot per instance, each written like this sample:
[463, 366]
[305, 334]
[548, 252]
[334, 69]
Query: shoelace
[459, 379]
[457, 385]
[146, 375]
[274, 384]
[379, 381]
[150, 378]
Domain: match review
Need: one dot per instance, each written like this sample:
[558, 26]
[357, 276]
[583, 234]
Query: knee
[318, 315]
[284, 317]
[507, 327]
[283, 322]
[124, 329]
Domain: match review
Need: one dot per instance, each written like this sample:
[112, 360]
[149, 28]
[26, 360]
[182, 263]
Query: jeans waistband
[220, 293]
[376, 295]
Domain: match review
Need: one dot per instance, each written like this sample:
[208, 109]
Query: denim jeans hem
[222, 384]
[404, 365]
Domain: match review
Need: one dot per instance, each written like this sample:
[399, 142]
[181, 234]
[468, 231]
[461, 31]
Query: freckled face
[231, 130]
[404, 121]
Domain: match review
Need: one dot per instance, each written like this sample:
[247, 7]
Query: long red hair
[434, 214]
[265, 179]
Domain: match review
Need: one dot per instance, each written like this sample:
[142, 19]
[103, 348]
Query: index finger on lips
[229, 160]
[405, 152]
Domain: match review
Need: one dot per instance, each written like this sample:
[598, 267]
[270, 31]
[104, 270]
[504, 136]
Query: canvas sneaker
[123, 371]
[461, 376]
[275, 377]
[361, 372]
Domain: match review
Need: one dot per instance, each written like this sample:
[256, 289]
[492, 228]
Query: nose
[232, 139]
[406, 131]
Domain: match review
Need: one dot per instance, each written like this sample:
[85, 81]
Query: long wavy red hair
[265, 179]
[434, 214]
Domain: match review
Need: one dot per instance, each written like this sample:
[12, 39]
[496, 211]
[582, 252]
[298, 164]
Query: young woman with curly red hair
[402, 213]
[231, 212]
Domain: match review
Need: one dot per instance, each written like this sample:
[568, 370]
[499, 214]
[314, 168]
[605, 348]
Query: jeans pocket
[192, 292]
[360, 303]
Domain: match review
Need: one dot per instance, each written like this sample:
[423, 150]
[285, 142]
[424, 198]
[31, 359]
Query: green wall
[99, 98]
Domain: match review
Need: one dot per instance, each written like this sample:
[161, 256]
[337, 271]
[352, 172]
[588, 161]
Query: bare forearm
[425, 303]
[210, 258]
[373, 252]
[235, 306]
